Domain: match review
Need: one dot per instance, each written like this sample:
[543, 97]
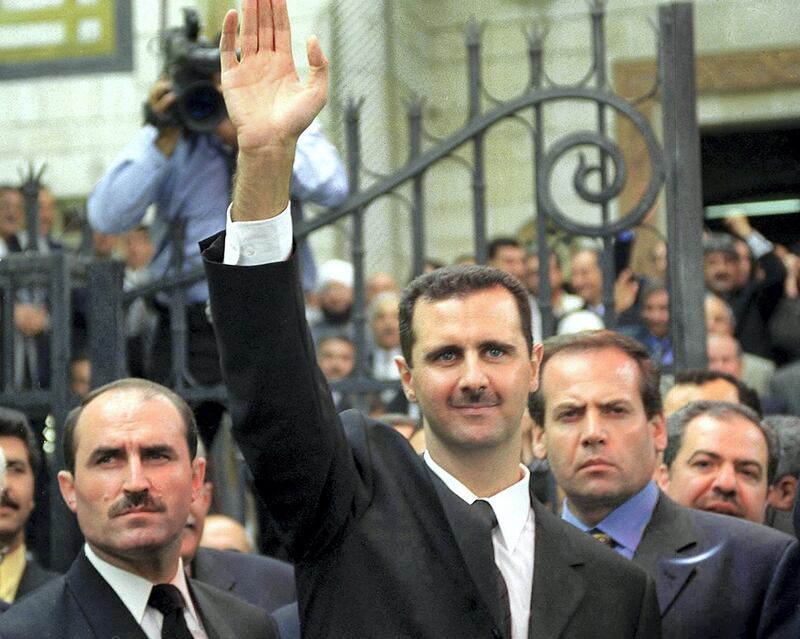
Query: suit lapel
[668, 536]
[212, 616]
[205, 568]
[557, 587]
[465, 530]
[103, 609]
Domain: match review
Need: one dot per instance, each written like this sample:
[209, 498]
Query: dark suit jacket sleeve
[780, 615]
[284, 419]
[770, 289]
[650, 618]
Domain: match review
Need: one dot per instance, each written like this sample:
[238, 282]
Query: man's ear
[66, 484]
[661, 476]
[536, 358]
[406, 377]
[539, 442]
[782, 493]
[659, 425]
[198, 475]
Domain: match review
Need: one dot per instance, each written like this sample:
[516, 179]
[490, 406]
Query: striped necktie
[603, 538]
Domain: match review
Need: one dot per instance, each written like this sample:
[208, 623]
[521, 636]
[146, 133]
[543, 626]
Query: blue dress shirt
[626, 523]
[194, 185]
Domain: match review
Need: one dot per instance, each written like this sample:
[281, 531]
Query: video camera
[191, 62]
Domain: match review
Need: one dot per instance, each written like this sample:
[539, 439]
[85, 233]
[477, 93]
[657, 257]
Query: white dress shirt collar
[511, 505]
[134, 591]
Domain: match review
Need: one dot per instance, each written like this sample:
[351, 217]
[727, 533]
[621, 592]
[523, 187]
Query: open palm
[265, 99]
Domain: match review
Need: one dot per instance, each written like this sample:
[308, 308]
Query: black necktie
[167, 599]
[487, 517]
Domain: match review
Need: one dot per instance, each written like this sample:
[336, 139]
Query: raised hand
[266, 101]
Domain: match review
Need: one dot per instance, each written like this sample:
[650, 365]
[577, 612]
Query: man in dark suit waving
[600, 424]
[131, 473]
[387, 544]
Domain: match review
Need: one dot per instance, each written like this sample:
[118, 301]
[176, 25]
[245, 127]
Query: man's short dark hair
[148, 390]
[15, 424]
[787, 428]
[651, 287]
[716, 242]
[500, 242]
[677, 422]
[552, 254]
[701, 376]
[585, 341]
[459, 281]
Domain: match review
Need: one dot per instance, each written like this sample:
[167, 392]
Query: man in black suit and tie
[131, 473]
[600, 424]
[385, 543]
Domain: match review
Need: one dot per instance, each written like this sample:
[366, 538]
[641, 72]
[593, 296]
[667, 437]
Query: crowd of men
[661, 515]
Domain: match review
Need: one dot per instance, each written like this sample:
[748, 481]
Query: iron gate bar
[683, 185]
[357, 248]
[544, 299]
[418, 206]
[448, 145]
[478, 169]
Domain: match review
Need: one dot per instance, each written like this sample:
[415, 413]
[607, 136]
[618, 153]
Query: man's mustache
[7, 502]
[472, 398]
[142, 501]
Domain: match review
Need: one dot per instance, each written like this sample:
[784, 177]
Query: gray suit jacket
[260, 581]
[719, 576]
[785, 386]
[81, 605]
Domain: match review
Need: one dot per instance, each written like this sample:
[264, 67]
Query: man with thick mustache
[600, 423]
[721, 458]
[131, 473]
[386, 543]
[20, 573]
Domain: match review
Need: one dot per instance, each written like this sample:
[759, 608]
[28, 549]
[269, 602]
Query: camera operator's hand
[267, 103]
[161, 99]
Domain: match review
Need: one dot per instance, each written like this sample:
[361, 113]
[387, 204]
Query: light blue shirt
[626, 523]
[193, 184]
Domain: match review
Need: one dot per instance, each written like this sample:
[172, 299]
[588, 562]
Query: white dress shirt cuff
[759, 245]
[260, 241]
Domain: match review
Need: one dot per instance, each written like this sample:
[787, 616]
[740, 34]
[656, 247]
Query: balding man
[261, 581]
[130, 476]
[725, 354]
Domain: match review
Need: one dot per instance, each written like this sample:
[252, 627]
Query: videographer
[182, 160]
